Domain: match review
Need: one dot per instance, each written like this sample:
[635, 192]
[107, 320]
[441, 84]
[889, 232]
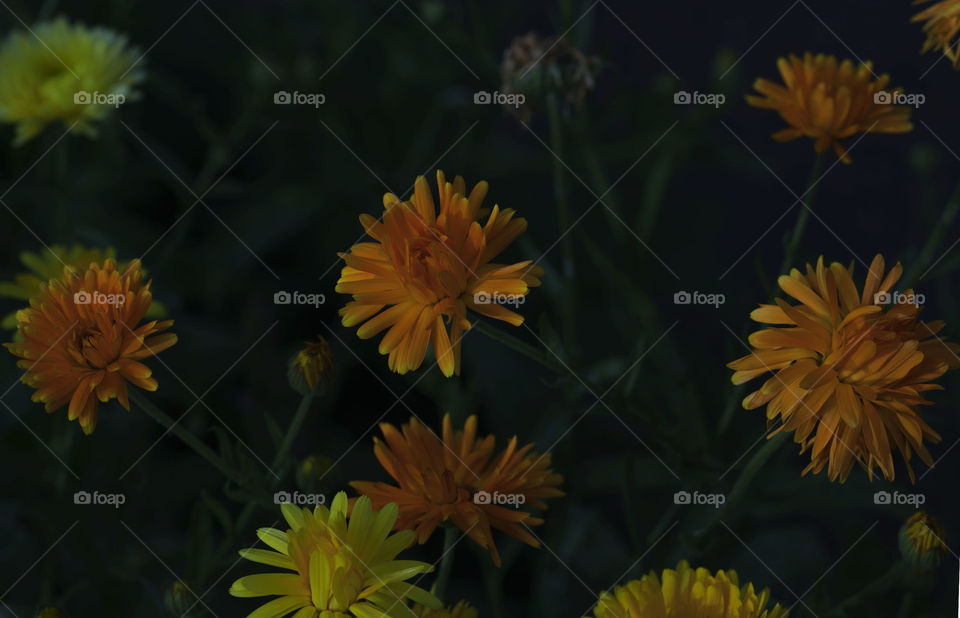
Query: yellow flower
[341, 567]
[850, 371]
[942, 25]
[829, 101]
[81, 339]
[922, 541]
[460, 610]
[66, 72]
[428, 269]
[311, 365]
[685, 593]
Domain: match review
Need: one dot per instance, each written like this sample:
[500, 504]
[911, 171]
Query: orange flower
[459, 481]
[828, 102]
[82, 343]
[428, 269]
[942, 25]
[849, 375]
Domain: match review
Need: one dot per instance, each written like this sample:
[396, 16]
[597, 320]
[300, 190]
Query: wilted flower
[311, 365]
[534, 65]
[82, 341]
[340, 567]
[829, 101]
[425, 270]
[942, 25]
[459, 480]
[460, 610]
[687, 592]
[850, 372]
[64, 72]
[922, 541]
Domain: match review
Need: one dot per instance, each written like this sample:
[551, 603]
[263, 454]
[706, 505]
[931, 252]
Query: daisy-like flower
[460, 610]
[64, 72]
[311, 365]
[459, 480]
[81, 339]
[922, 541]
[942, 24]
[829, 101]
[340, 567]
[850, 368]
[687, 592]
[425, 270]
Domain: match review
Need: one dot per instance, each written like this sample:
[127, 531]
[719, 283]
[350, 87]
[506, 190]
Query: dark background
[288, 183]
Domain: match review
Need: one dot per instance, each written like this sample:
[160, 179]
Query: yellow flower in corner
[941, 27]
[850, 368]
[922, 541]
[687, 592]
[425, 270]
[339, 567]
[81, 339]
[829, 101]
[64, 72]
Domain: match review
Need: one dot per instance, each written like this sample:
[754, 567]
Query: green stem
[565, 218]
[188, 438]
[446, 562]
[793, 243]
[877, 585]
[923, 260]
[494, 584]
[517, 345]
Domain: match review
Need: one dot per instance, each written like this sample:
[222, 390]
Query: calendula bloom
[81, 339]
[459, 480]
[922, 541]
[942, 23]
[424, 271]
[64, 72]
[339, 567]
[829, 101]
[460, 610]
[850, 368]
[687, 592]
[311, 365]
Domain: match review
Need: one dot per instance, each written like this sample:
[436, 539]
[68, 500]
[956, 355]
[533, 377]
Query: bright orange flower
[850, 375]
[941, 27]
[82, 343]
[458, 480]
[829, 101]
[425, 270]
